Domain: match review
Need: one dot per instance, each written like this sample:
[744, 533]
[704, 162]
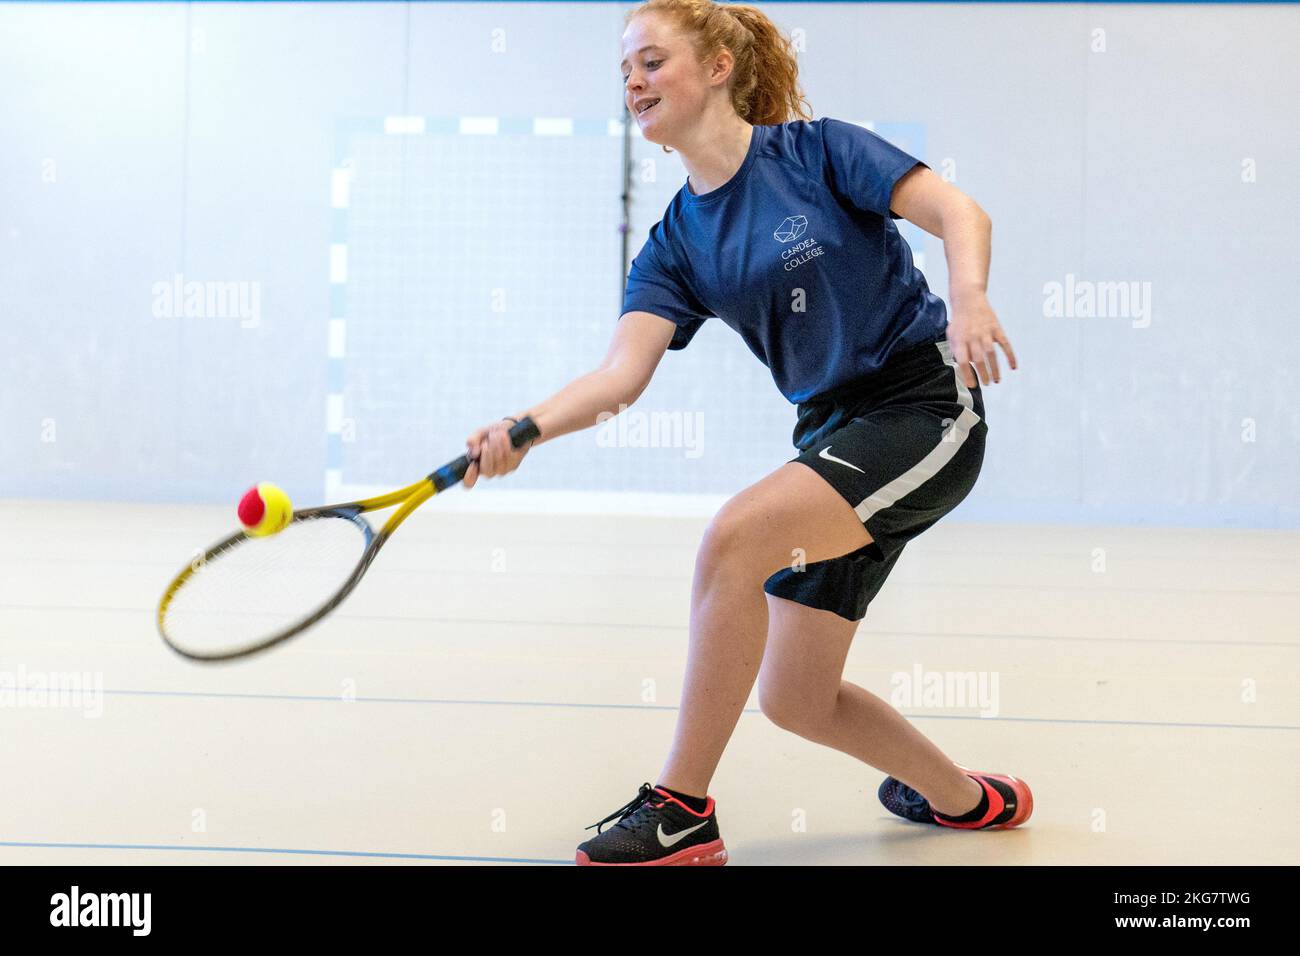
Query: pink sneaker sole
[705, 854]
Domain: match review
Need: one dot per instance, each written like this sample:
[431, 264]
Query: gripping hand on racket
[491, 453]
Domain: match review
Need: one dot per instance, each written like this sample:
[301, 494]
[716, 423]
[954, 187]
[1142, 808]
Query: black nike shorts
[903, 447]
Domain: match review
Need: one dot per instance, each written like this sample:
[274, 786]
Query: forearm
[967, 243]
[578, 404]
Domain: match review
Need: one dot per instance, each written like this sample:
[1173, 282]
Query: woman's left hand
[973, 328]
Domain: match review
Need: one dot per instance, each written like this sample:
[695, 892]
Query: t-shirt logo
[796, 255]
[791, 229]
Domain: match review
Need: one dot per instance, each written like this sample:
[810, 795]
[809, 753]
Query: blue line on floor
[282, 850]
[216, 695]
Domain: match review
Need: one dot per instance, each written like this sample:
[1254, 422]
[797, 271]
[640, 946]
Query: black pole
[625, 227]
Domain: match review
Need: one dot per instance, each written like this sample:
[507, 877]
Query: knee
[733, 540]
[776, 707]
[789, 709]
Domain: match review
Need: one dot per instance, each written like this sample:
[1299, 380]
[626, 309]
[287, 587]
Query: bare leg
[801, 689]
[752, 536]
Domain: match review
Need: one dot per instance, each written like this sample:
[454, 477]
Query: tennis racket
[246, 594]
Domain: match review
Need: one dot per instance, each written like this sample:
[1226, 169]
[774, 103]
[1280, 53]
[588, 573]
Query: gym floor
[499, 682]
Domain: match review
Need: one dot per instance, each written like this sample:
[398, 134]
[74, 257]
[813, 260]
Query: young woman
[784, 230]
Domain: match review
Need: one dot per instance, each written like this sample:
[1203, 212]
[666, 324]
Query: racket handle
[521, 433]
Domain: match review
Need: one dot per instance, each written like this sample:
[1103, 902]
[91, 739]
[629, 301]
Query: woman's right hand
[491, 454]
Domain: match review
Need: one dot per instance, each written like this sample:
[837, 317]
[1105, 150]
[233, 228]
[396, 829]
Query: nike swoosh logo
[826, 453]
[666, 841]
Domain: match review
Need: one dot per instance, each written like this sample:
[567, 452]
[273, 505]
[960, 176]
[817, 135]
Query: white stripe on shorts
[939, 456]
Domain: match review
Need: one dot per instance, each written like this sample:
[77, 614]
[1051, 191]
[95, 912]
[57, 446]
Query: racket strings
[256, 588]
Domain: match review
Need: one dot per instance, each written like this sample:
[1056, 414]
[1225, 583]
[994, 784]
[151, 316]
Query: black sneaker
[656, 829]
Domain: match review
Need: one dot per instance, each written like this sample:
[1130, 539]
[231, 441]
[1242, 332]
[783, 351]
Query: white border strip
[338, 263]
[404, 125]
[479, 126]
[338, 338]
[340, 188]
[334, 413]
[552, 126]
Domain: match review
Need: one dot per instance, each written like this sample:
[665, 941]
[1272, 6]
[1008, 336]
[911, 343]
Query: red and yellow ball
[264, 510]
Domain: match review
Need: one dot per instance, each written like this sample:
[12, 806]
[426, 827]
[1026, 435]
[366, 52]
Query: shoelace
[642, 796]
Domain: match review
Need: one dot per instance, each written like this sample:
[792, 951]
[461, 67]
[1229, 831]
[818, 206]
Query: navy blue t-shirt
[798, 252]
